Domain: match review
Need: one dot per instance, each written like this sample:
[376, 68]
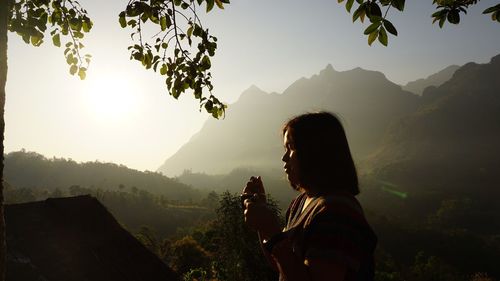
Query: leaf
[492, 9]
[82, 73]
[372, 27]
[26, 38]
[169, 22]
[439, 13]
[382, 36]
[87, 25]
[441, 21]
[372, 37]
[398, 4]
[36, 40]
[73, 69]
[348, 5]
[340, 1]
[210, 5]
[205, 62]
[374, 19]
[219, 4]
[392, 30]
[375, 10]
[209, 106]
[122, 20]
[454, 17]
[163, 23]
[359, 11]
[56, 40]
[163, 69]
[362, 16]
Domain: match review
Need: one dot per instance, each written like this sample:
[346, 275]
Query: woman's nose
[285, 157]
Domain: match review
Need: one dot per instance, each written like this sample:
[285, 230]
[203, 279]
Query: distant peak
[252, 89]
[495, 59]
[328, 70]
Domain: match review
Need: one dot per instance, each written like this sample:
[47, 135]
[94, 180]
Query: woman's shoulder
[341, 210]
[294, 205]
[337, 229]
[339, 203]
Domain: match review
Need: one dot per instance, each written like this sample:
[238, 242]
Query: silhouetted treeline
[32, 170]
[132, 207]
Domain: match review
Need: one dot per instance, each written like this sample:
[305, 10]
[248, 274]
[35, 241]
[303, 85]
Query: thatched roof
[75, 239]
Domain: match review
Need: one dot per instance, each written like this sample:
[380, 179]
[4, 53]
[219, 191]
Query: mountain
[451, 143]
[250, 135]
[436, 79]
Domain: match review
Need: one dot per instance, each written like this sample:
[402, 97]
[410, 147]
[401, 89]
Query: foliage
[481, 276]
[60, 18]
[197, 274]
[458, 233]
[237, 253]
[181, 49]
[187, 253]
[149, 239]
[433, 269]
[183, 69]
[447, 10]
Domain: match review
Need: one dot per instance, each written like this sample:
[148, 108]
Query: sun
[110, 98]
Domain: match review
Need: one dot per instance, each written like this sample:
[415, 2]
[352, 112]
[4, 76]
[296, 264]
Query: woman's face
[291, 165]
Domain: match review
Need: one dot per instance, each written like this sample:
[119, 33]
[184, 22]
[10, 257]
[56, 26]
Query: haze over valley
[428, 162]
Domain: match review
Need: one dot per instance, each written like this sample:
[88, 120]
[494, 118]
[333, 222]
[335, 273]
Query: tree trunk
[4, 15]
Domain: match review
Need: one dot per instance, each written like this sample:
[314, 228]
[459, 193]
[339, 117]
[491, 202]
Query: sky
[123, 114]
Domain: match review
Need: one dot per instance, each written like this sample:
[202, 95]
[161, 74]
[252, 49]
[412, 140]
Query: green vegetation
[187, 67]
[432, 236]
[377, 10]
[180, 48]
[428, 184]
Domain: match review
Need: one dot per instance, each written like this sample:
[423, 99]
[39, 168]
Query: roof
[75, 239]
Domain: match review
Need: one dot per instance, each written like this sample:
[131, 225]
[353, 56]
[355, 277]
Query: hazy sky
[121, 113]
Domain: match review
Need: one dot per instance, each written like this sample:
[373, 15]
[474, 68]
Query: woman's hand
[257, 215]
[254, 186]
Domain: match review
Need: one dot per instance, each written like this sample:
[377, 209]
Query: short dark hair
[324, 158]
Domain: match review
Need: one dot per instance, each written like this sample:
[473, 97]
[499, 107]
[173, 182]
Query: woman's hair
[324, 158]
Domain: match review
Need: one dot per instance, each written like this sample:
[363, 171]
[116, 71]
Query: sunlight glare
[111, 98]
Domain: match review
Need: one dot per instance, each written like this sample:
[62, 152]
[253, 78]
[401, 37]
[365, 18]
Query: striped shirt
[333, 227]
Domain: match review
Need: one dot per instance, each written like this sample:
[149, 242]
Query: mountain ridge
[452, 139]
[419, 86]
[250, 134]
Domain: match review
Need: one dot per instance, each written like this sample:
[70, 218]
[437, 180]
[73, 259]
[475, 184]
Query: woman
[327, 236]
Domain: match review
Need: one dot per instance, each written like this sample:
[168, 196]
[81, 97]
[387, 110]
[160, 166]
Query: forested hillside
[32, 170]
[135, 198]
[450, 145]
